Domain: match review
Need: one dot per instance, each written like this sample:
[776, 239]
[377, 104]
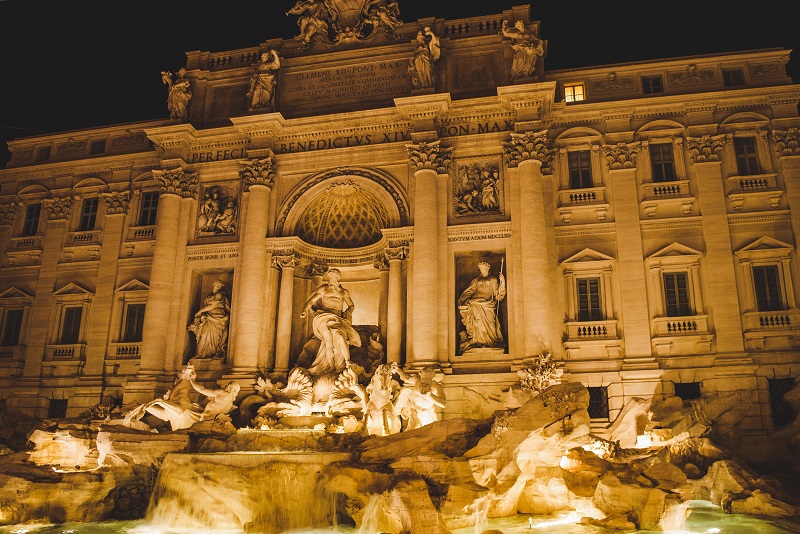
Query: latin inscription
[213, 256]
[217, 155]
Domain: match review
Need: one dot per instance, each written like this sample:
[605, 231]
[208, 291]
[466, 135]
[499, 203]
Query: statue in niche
[210, 325]
[527, 49]
[426, 53]
[178, 94]
[478, 190]
[479, 306]
[313, 19]
[217, 214]
[332, 310]
[420, 397]
[261, 94]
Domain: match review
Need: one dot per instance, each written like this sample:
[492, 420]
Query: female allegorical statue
[478, 305]
[210, 325]
[261, 94]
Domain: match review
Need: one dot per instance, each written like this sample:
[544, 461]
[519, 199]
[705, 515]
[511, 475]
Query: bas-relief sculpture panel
[218, 210]
[480, 307]
[478, 188]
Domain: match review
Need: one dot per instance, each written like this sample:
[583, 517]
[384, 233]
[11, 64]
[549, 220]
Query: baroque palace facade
[644, 216]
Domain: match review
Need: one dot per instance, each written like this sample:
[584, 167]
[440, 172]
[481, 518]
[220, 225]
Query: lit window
[31, 224]
[746, 158]
[652, 85]
[88, 215]
[148, 209]
[732, 77]
[580, 169]
[662, 163]
[573, 92]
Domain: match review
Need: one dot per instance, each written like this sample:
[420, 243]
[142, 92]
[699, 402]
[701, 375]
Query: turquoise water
[704, 519]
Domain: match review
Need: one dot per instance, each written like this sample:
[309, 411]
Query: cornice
[87, 167]
[20, 272]
[78, 266]
[759, 218]
[586, 229]
[671, 224]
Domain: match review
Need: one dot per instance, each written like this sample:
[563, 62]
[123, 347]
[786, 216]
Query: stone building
[644, 216]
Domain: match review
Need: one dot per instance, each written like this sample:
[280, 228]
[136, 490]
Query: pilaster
[283, 342]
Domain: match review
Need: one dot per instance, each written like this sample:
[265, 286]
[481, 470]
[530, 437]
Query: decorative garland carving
[529, 145]
[622, 155]
[395, 253]
[258, 172]
[706, 148]
[430, 156]
[117, 202]
[285, 262]
[788, 142]
[58, 208]
[177, 182]
[8, 212]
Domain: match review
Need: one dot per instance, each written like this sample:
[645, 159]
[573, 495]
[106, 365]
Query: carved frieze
[116, 202]
[478, 188]
[430, 156]
[72, 146]
[176, 182]
[622, 155]
[612, 84]
[128, 139]
[529, 145]
[692, 75]
[8, 213]
[787, 142]
[706, 148]
[258, 172]
[218, 211]
[58, 208]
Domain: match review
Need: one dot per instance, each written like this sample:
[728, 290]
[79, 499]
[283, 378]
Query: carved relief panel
[478, 188]
[218, 210]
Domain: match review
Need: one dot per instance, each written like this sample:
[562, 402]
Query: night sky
[72, 64]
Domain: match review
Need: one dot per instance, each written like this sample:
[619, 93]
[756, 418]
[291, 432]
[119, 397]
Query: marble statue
[175, 406]
[478, 306]
[313, 18]
[218, 401]
[426, 53]
[261, 94]
[210, 325]
[178, 94]
[380, 418]
[527, 49]
[382, 13]
[332, 310]
[420, 398]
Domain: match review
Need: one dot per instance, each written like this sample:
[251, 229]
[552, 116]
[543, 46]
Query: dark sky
[72, 64]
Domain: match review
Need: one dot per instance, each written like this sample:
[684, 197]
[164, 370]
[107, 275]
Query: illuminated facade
[644, 217]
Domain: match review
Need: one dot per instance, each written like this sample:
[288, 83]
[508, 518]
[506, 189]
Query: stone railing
[662, 190]
[772, 320]
[477, 26]
[32, 242]
[12, 353]
[141, 233]
[233, 59]
[88, 237]
[580, 197]
[585, 330]
[73, 351]
[758, 188]
[125, 350]
[681, 326]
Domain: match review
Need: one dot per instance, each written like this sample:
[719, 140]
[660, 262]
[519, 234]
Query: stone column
[429, 160]
[283, 343]
[788, 146]
[723, 302]
[395, 312]
[8, 213]
[258, 177]
[271, 315]
[382, 266]
[528, 151]
[175, 185]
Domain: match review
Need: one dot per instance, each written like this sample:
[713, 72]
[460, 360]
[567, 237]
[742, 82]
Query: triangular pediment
[675, 250]
[587, 255]
[766, 243]
[71, 289]
[14, 293]
[134, 285]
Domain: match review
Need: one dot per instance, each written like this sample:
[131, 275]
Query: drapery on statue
[261, 94]
[178, 95]
[426, 53]
[420, 397]
[210, 325]
[382, 13]
[333, 312]
[313, 19]
[527, 49]
[478, 306]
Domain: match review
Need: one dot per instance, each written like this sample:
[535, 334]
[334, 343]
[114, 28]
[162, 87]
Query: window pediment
[133, 285]
[661, 130]
[765, 248]
[14, 293]
[674, 254]
[72, 293]
[587, 260]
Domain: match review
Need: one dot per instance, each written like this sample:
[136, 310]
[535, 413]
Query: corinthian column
[283, 343]
[528, 152]
[175, 185]
[429, 160]
[394, 312]
[788, 144]
[258, 176]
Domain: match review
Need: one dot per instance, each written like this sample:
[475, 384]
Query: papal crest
[344, 21]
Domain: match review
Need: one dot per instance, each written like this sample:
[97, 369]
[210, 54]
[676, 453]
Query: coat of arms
[344, 21]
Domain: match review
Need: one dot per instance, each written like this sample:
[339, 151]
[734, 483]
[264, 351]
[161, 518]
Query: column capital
[117, 202]
[288, 261]
[430, 156]
[706, 148]
[395, 253]
[316, 269]
[529, 146]
[622, 155]
[787, 142]
[58, 208]
[258, 172]
[176, 182]
[8, 212]
[381, 263]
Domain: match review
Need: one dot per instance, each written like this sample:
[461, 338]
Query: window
[88, 214]
[768, 289]
[652, 85]
[573, 92]
[31, 224]
[71, 327]
[12, 325]
[746, 159]
[676, 293]
[598, 402]
[589, 300]
[688, 390]
[782, 413]
[662, 163]
[43, 154]
[57, 409]
[148, 209]
[134, 320]
[97, 147]
[580, 169]
[732, 77]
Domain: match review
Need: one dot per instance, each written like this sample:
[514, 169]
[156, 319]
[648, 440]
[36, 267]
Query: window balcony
[756, 190]
[590, 199]
[125, 350]
[682, 335]
[26, 243]
[69, 352]
[592, 341]
[141, 233]
[667, 195]
[585, 330]
[12, 360]
[84, 238]
[778, 329]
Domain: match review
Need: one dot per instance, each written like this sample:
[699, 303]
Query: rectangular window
[57, 409]
[782, 412]
[662, 162]
[652, 85]
[71, 328]
[598, 403]
[676, 294]
[148, 209]
[12, 325]
[88, 214]
[573, 92]
[31, 224]
[746, 158]
[43, 154]
[732, 77]
[688, 390]
[589, 300]
[134, 320]
[768, 289]
[97, 147]
[580, 169]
